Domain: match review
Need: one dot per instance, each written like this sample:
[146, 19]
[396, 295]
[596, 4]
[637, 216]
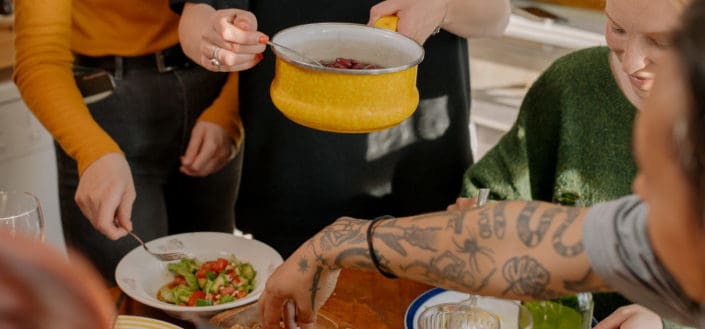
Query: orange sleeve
[225, 110]
[43, 74]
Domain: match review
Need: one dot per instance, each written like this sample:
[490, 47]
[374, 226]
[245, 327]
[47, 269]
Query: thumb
[194, 146]
[384, 8]
[245, 20]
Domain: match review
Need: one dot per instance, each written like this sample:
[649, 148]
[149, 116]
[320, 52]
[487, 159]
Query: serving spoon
[296, 53]
[163, 256]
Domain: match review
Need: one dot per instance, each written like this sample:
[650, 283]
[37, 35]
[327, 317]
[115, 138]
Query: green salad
[209, 283]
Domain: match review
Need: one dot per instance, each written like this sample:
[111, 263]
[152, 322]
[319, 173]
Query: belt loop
[119, 67]
[162, 65]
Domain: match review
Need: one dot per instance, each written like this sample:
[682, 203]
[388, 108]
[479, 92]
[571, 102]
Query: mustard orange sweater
[48, 32]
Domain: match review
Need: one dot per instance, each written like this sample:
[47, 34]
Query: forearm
[477, 18]
[522, 250]
[45, 79]
[193, 19]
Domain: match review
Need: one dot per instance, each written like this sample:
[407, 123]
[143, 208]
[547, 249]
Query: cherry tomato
[195, 296]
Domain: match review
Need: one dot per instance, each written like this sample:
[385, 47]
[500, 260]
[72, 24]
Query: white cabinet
[502, 69]
[27, 158]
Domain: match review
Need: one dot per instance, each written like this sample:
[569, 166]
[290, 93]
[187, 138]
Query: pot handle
[388, 22]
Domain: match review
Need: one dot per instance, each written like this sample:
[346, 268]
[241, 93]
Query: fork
[166, 256]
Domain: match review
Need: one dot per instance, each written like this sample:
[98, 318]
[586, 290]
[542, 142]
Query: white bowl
[140, 275]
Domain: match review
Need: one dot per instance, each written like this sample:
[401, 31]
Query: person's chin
[641, 87]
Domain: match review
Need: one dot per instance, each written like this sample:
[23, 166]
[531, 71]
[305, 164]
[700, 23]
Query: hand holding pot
[417, 19]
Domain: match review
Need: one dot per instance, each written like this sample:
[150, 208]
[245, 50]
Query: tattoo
[360, 258]
[500, 222]
[456, 222]
[587, 283]
[303, 265]
[343, 231]
[526, 277]
[447, 267]
[314, 286]
[422, 238]
[532, 238]
[558, 245]
[484, 223]
[473, 249]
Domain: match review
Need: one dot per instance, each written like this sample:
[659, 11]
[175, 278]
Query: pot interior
[386, 49]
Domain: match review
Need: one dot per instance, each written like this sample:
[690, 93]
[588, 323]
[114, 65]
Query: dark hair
[689, 45]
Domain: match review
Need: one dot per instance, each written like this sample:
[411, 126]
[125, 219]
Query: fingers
[101, 210]
[209, 149]
[306, 318]
[105, 193]
[124, 211]
[289, 315]
[270, 311]
[383, 8]
[615, 320]
[234, 34]
[229, 61]
[462, 203]
[194, 145]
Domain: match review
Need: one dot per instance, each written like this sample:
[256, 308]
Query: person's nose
[634, 58]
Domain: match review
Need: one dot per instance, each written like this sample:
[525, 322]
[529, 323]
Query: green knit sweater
[570, 144]
[571, 140]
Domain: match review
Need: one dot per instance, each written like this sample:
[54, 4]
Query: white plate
[506, 309]
[139, 322]
[140, 275]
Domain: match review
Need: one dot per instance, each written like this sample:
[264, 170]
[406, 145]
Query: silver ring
[215, 52]
[215, 62]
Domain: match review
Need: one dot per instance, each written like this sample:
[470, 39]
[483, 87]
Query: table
[361, 299]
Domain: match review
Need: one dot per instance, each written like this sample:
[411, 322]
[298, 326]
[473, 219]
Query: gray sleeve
[616, 240]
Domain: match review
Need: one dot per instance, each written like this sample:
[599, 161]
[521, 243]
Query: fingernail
[259, 56]
[263, 39]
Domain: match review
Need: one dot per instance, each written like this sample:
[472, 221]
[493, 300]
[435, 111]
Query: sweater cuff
[92, 151]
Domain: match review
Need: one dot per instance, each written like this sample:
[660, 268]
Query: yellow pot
[346, 100]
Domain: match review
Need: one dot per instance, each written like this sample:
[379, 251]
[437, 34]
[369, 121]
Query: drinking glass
[567, 312]
[477, 312]
[21, 213]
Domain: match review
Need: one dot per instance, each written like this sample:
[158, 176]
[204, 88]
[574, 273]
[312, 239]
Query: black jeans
[150, 115]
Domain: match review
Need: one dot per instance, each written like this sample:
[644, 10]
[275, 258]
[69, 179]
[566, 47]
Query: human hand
[232, 38]
[209, 149]
[462, 203]
[296, 290]
[632, 316]
[105, 194]
[418, 19]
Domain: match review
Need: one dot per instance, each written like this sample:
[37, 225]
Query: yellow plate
[140, 322]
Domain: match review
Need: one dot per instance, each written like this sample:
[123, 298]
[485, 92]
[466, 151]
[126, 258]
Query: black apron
[297, 180]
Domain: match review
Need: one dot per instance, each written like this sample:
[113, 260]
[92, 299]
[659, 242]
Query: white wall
[27, 159]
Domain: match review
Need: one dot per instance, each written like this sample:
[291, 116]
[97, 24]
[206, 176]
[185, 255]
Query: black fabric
[296, 180]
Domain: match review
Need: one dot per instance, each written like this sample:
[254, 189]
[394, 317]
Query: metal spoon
[296, 53]
[166, 256]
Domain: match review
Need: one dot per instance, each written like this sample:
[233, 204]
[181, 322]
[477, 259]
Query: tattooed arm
[521, 250]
